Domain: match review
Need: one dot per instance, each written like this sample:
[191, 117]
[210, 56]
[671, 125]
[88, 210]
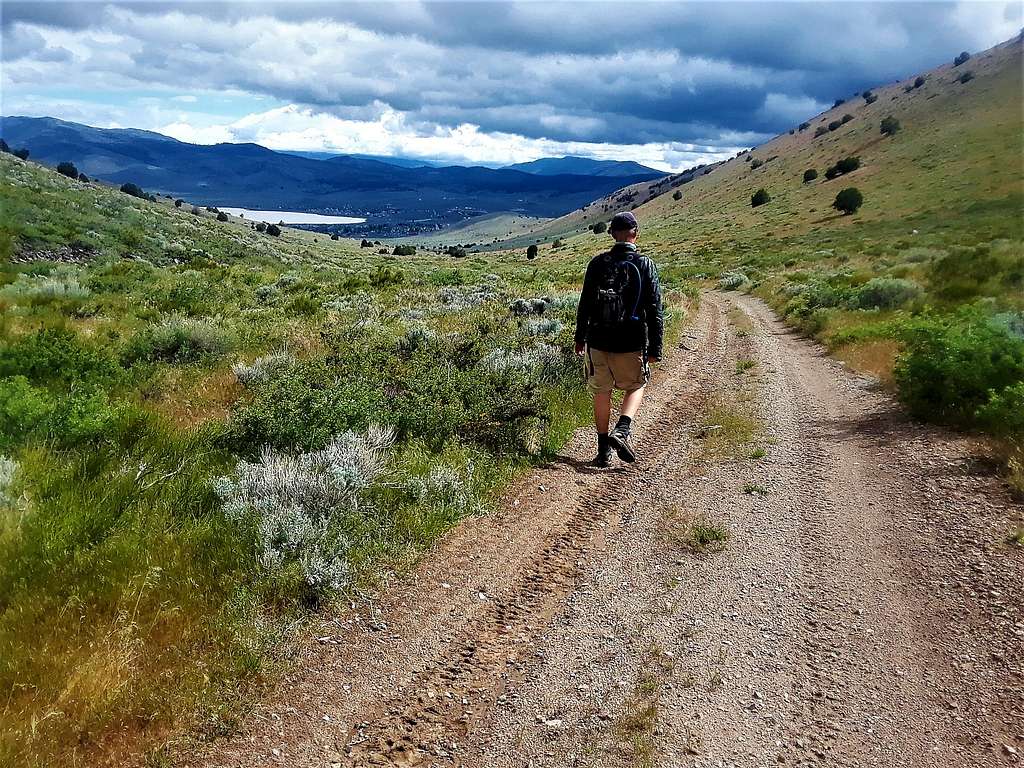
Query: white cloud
[294, 127]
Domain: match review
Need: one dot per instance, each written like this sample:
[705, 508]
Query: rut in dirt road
[866, 610]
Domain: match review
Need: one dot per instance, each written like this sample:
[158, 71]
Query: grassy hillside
[190, 456]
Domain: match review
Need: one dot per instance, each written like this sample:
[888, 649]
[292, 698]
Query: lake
[290, 217]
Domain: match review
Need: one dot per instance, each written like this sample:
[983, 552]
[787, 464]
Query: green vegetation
[703, 536]
[810, 175]
[848, 200]
[759, 198]
[206, 431]
[890, 126]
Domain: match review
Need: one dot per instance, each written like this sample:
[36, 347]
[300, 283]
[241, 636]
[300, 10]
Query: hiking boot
[603, 458]
[620, 440]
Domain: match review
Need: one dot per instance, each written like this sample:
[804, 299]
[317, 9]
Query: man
[619, 325]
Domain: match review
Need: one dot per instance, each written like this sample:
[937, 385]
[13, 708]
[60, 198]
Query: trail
[866, 610]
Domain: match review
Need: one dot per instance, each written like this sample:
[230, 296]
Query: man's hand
[579, 348]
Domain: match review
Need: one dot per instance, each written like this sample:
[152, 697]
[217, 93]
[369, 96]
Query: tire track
[429, 724]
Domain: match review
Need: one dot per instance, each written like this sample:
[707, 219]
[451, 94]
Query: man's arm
[583, 309]
[653, 313]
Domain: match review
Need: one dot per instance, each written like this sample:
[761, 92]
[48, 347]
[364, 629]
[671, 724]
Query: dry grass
[875, 358]
[635, 728]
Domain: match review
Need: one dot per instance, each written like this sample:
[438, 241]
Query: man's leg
[631, 403]
[602, 411]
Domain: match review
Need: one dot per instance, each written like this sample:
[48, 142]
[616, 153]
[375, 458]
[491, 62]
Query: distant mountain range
[584, 166]
[394, 199]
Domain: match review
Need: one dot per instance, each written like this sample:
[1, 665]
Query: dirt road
[865, 611]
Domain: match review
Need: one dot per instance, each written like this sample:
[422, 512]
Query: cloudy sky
[668, 84]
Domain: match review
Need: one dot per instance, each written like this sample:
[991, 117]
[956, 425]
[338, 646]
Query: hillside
[393, 199]
[958, 142]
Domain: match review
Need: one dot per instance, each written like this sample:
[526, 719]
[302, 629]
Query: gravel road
[864, 611]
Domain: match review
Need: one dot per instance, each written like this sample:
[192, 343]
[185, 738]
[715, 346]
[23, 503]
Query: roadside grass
[704, 536]
[753, 489]
[726, 429]
[1016, 537]
[742, 366]
[636, 728]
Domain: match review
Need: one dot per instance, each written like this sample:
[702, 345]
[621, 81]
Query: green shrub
[803, 126]
[273, 230]
[1003, 414]
[810, 175]
[677, 195]
[963, 58]
[847, 118]
[134, 190]
[966, 77]
[848, 200]
[24, 410]
[179, 339]
[760, 198]
[67, 169]
[919, 81]
[951, 364]
[531, 251]
[890, 126]
[57, 355]
[756, 163]
[820, 131]
[835, 125]
[887, 293]
[602, 227]
[221, 216]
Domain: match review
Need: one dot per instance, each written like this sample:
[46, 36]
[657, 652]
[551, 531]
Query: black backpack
[615, 303]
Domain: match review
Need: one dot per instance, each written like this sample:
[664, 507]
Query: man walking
[619, 324]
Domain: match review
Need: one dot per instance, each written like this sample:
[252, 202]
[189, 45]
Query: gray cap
[623, 220]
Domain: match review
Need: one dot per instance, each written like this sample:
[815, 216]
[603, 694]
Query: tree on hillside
[221, 216]
[838, 102]
[178, 203]
[890, 126]
[67, 169]
[759, 198]
[83, 178]
[810, 175]
[834, 125]
[21, 153]
[755, 164]
[848, 200]
[457, 251]
[961, 59]
[966, 77]
[274, 230]
[846, 118]
[261, 227]
[4, 147]
[820, 131]
[335, 236]
[677, 195]
[803, 126]
[404, 250]
[870, 97]
[134, 190]
[600, 227]
[919, 81]
[531, 252]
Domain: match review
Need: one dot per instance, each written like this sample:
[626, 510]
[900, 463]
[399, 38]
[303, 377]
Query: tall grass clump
[179, 339]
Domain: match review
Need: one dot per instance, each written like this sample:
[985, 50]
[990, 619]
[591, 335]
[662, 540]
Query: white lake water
[290, 217]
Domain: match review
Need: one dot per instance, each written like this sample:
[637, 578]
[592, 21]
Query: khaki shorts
[627, 371]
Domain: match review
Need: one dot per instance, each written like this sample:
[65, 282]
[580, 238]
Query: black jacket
[640, 330]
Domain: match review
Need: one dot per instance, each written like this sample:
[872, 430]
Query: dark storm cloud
[624, 73]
